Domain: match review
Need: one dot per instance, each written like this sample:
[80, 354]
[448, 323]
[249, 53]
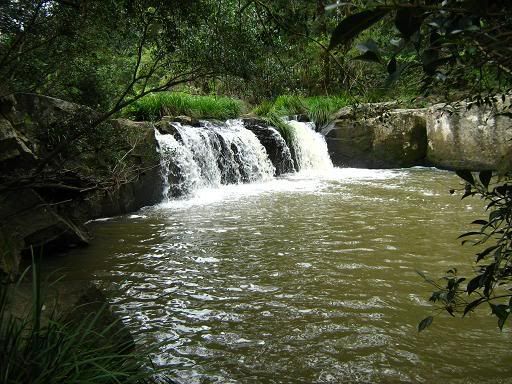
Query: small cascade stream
[310, 147]
[215, 154]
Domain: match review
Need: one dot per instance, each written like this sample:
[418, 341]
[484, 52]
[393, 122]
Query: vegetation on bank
[154, 106]
[38, 345]
[318, 109]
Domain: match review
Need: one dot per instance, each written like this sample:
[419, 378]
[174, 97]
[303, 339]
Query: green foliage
[492, 281]
[54, 350]
[157, 105]
[285, 130]
[458, 45]
[318, 109]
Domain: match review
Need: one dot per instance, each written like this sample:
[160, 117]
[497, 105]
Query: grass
[285, 130]
[318, 109]
[154, 106]
[40, 348]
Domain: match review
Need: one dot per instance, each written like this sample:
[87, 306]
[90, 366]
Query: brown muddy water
[302, 279]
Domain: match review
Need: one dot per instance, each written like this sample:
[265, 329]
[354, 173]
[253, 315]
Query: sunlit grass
[318, 109]
[153, 107]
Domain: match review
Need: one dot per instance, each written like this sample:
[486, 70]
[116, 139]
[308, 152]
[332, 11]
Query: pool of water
[303, 279]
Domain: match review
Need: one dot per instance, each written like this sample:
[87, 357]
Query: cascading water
[196, 158]
[205, 157]
[310, 147]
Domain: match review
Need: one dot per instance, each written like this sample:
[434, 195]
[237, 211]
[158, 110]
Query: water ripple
[300, 280]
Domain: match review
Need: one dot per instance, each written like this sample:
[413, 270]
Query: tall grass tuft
[154, 106]
[289, 105]
[285, 130]
[318, 109]
[50, 349]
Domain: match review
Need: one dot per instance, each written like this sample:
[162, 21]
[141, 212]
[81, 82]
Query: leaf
[501, 311]
[369, 51]
[469, 234]
[480, 222]
[368, 45]
[496, 215]
[426, 322]
[474, 284]
[485, 178]
[392, 66]
[467, 176]
[395, 75]
[354, 24]
[408, 21]
[471, 306]
[485, 252]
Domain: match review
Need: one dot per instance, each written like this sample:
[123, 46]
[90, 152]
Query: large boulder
[28, 223]
[113, 169]
[377, 138]
[14, 148]
[138, 179]
[469, 136]
[277, 150]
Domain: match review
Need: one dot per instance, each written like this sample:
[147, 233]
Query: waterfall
[194, 158]
[310, 147]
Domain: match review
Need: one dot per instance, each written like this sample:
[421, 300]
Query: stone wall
[476, 137]
[381, 138]
[465, 136]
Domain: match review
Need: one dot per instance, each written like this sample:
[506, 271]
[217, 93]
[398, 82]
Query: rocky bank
[463, 135]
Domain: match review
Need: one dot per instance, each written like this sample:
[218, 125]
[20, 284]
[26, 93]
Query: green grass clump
[289, 105]
[284, 129]
[40, 348]
[318, 109]
[154, 106]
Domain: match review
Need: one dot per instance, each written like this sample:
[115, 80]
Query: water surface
[303, 279]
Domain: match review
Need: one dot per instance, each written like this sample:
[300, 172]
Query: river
[306, 278]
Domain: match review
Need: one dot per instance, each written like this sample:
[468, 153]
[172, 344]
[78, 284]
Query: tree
[145, 39]
[464, 46]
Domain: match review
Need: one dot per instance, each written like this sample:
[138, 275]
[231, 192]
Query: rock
[393, 139]
[141, 186]
[277, 150]
[14, 149]
[169, 128]
[113, 170]
[33, 114]
[478, 138]
[28, 223]
[364, 111]
[185, 120]
[92, 302]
